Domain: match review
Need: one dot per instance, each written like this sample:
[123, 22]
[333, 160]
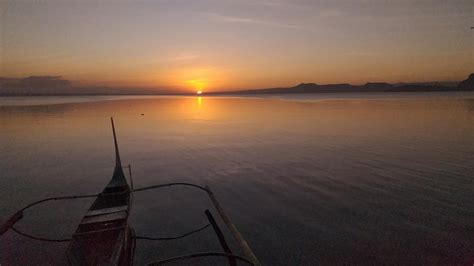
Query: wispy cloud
[246, 20]
[270, 3]
[184, 57]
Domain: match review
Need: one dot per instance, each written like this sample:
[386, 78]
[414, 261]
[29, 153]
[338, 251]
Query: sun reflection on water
[199, 101]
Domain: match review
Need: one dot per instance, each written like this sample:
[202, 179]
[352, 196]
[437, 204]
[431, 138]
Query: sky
[215, 45]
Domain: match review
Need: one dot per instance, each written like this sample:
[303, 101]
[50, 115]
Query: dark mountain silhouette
[433, 83]
[467, 84]
[56, 85]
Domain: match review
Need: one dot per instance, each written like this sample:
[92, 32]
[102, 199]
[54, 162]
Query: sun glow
[204, 79]
[198, 92]
[198, 84]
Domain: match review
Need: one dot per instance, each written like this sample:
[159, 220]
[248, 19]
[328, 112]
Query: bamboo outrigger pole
[233, 230]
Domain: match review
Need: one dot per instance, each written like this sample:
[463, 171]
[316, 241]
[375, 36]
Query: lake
[320, 179]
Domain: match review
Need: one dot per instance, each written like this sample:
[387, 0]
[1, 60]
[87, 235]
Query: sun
[198, 92]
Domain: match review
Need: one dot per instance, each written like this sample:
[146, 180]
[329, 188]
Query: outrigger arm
[119, 180]
[249, 254]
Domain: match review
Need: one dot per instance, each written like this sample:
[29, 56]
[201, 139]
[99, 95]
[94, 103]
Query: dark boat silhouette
[104, 237]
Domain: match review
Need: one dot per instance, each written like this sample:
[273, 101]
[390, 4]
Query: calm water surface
[349, 180]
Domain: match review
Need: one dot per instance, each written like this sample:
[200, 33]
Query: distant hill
[467, 85]
[56, 85]
[433, 83]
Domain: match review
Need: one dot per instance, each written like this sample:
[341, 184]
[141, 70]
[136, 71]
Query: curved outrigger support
[107, 219]
[244, 246]
[19, 214]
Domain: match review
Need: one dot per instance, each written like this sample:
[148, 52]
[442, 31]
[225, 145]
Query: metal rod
[221, 237]
[39, 238]
[173, 237]
[169, 185]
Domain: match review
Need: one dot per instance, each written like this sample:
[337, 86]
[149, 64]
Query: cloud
[34, 84]
[271, 3]
[253, 21]
[184, 57]
[56, 85]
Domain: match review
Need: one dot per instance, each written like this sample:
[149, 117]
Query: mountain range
[466, 85]
[56, 85]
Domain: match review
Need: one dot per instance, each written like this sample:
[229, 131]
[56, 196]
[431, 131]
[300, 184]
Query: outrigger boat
[104, 236]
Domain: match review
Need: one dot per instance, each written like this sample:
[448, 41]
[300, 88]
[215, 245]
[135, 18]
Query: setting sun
[199, 92]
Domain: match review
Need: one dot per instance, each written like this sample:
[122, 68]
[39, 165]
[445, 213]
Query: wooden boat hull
[113, 247]
[103, 236]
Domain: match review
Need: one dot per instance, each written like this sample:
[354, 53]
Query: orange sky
[223, 45]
